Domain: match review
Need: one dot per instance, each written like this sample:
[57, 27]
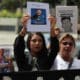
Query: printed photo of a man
[38, 16]
[66, 23]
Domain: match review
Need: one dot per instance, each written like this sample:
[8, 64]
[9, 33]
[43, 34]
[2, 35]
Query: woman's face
[66, 47]
[36, 44]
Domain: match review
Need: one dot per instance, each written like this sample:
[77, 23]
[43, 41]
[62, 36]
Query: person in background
[37, 49]
[57, 32]
[5, 65]
[64, 59]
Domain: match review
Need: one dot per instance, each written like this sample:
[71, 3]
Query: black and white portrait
[66, 24]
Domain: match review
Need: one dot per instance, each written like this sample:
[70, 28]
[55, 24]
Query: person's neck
[33, 54]
[66, 58]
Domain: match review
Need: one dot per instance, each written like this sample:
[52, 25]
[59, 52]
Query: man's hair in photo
[65, 17]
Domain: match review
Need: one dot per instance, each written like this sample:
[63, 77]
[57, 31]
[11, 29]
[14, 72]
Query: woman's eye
[33, 40]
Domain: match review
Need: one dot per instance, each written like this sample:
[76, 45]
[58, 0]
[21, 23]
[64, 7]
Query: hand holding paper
[24, 21]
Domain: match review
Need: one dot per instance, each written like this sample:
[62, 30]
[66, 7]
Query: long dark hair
[44, 49]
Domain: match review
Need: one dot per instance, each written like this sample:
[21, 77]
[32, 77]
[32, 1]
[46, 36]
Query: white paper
[40, 24]
[69, 12]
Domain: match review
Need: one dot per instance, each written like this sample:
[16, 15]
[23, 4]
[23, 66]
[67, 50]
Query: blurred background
[11, 12]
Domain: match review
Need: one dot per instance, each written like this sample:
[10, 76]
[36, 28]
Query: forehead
[36, 36]
[65, 20]
[67, 39]
[38, 10]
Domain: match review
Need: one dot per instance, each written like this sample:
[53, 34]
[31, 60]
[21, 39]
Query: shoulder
[19, 38]
[76, 60]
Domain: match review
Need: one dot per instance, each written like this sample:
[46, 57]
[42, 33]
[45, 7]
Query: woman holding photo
[37, 49]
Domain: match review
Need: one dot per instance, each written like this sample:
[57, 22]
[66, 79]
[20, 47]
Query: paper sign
[39, 17]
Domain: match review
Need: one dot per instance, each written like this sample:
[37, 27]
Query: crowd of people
[5, 62]
[58, 55]
[37, 49]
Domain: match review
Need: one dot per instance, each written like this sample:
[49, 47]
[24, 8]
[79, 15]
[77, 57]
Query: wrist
[22, 33]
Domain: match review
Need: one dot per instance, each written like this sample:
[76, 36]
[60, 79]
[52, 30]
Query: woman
[37, 50]
[64, 59]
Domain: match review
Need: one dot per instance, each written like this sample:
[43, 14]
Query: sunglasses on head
[67, 43]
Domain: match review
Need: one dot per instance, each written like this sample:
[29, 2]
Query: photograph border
[38, 28]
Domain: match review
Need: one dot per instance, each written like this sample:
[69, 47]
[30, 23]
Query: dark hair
[43, 39]
[65, 17]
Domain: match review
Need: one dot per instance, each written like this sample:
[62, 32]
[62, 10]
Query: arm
[19, 47]
[19, 43]
[54, 43]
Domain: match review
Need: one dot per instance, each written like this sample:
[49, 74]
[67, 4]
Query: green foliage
[6, 13]
[12, 5]
[53, 3]
[18, 13]
[9, 4]
[73, 2]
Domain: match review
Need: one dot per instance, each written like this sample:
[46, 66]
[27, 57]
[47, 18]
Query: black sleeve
[78, 56]
[43, 62]
[19, 46]
[54, 48]
[20, 57]
[54, 45]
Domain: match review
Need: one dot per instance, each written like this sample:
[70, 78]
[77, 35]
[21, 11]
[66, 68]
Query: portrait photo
[66, 23]
[38, 16]
[67, 19]
[39, 13]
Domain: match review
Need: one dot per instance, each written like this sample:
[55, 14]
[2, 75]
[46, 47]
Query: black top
[44, 61]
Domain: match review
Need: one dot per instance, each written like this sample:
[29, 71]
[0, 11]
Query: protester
[5, 65]
[64, 59]
[37, 49]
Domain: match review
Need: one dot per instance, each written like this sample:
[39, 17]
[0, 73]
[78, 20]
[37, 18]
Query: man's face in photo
[38, 12]
[66, 23]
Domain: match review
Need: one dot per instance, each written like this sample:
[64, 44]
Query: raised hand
[24, 21]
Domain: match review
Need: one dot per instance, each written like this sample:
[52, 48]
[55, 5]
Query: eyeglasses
[67, 43]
